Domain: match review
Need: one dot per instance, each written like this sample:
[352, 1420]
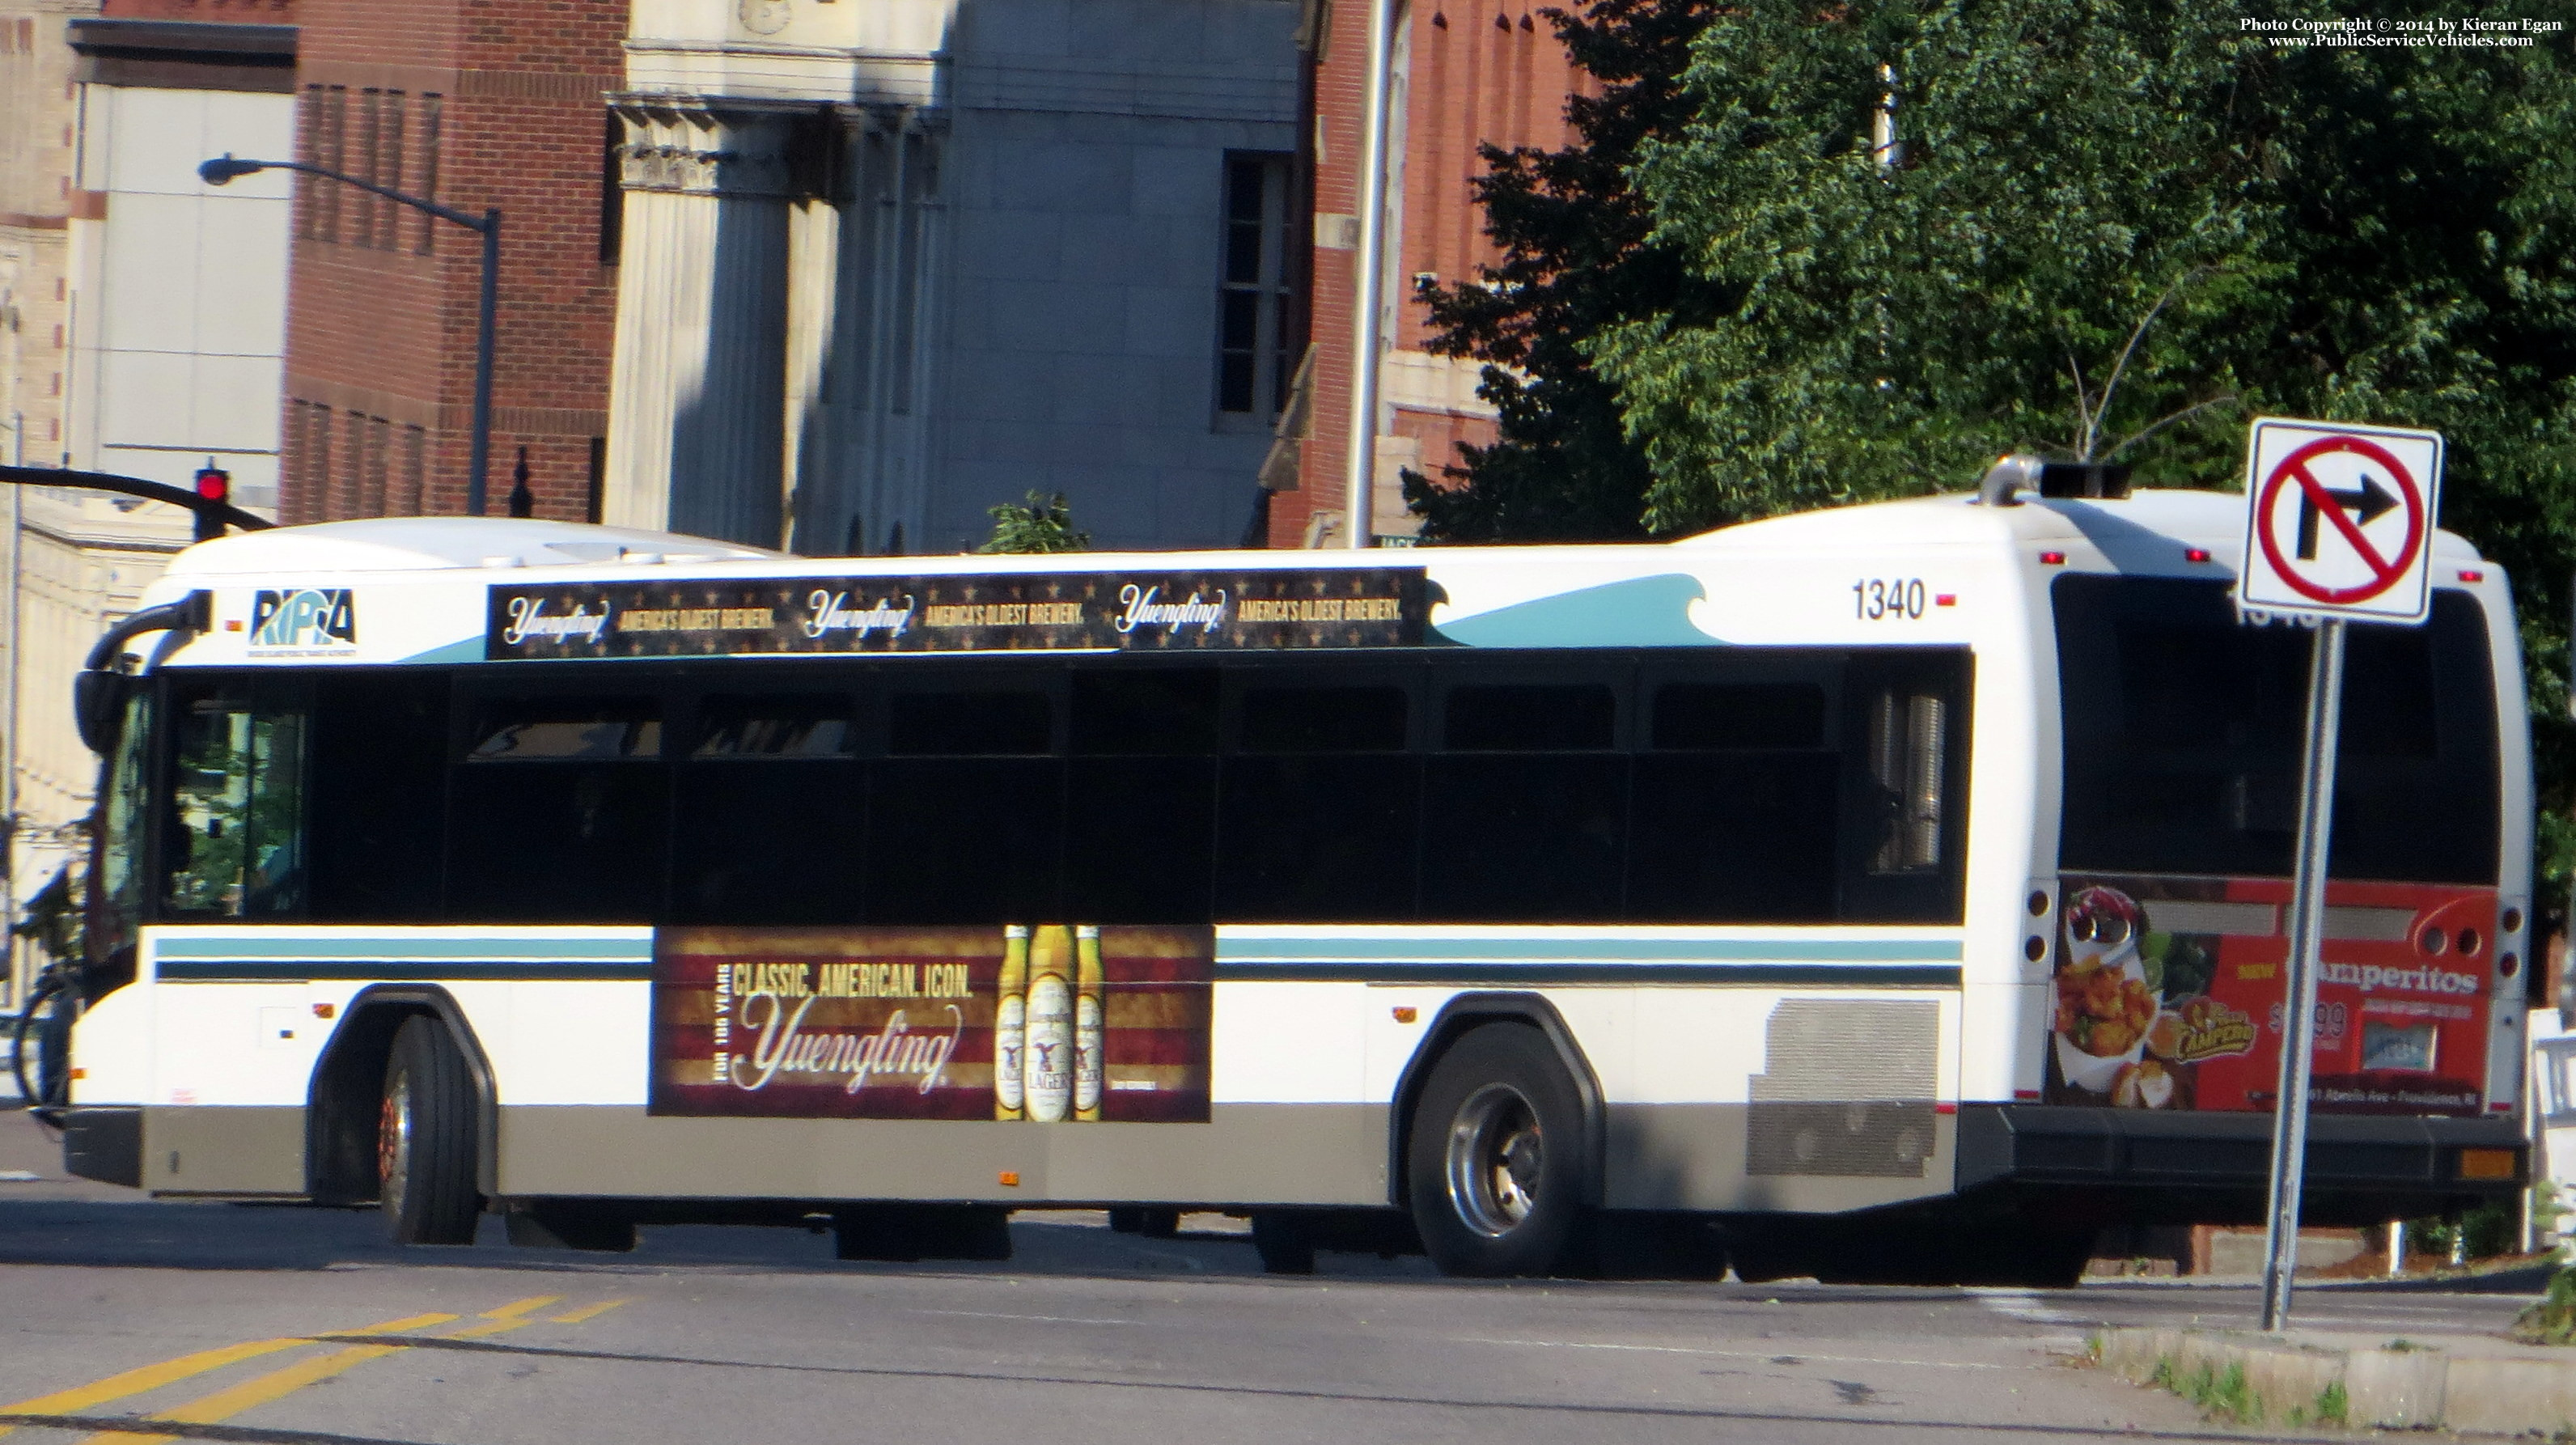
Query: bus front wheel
[1494, 1165]
[425, 1139]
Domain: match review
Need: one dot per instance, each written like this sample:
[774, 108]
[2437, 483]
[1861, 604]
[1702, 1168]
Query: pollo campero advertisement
[2169, 995]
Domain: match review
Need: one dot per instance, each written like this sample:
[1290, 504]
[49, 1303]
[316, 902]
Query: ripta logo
[305, 620]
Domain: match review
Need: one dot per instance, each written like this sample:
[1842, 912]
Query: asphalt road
[127, 1321]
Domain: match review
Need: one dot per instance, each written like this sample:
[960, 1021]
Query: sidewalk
[2470, 1383]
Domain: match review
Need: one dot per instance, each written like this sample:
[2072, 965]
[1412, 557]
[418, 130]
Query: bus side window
[119, 888]
[1140, 793]
[771, 813]
[379, 775]
[1905, 770]
[1321, 805]
[234, 829]
[562, 806]
[965, 815]
[1526, 805]
[1736, 806]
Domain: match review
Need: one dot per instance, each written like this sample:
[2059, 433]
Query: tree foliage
[2362, 233]
[1577, 256]
[1044, 524]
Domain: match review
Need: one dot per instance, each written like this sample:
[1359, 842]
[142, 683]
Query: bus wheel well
[343, 1107]
[1467, 1012]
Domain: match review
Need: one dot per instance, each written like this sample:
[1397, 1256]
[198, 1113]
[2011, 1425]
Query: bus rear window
[2182, 736]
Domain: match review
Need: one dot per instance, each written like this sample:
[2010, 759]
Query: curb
[2269, 1381]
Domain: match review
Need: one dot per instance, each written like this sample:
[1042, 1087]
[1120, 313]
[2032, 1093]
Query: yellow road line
[153, 1377]
[279, 1383]
[587, 1312]
[516, 1308]
[226, 1403]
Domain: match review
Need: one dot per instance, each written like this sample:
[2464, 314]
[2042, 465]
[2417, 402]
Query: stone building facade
[885, 265]
[149, 320]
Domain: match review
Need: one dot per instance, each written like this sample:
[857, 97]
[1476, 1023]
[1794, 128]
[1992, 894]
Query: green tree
[1576, 257]
[2357, 233]
[1045, 524]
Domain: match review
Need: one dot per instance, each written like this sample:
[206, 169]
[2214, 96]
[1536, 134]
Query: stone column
[886, 332]
[698, 385]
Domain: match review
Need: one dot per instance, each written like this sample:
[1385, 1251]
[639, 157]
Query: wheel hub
[1497, 1158]
[393, 1144]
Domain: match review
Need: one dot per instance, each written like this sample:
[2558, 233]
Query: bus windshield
[2182, 738]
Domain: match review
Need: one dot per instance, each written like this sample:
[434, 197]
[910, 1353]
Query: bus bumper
[105, 1145]
[2209, 1166]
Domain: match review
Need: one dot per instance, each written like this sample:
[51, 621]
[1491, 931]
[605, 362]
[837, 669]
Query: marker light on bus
[2195, 554]
[2486, 1164]
[2471, 574]
[2052, 559]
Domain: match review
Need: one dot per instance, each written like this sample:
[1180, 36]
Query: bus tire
[1494, 1160]
[425, 1142]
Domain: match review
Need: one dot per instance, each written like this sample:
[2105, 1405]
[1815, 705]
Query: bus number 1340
[1889, 598]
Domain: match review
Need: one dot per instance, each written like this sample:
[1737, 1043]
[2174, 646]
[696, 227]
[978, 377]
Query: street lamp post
[226, 167]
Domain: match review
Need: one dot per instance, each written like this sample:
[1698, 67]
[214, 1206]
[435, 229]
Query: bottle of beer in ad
[1011, 1025]
[1050, 1041]
[1089, 1022]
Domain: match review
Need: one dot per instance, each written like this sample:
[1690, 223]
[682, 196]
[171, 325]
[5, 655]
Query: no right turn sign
[2339, 519]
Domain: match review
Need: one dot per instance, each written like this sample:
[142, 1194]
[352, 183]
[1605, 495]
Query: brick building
[476, 105]
[1465, 73]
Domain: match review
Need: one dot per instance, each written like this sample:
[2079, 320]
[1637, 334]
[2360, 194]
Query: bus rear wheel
[1494, 1164]
[425, 1139]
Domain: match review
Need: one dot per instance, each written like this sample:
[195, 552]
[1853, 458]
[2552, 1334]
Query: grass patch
[2553, 1320]
[2219, 1392]
[2333, 1405]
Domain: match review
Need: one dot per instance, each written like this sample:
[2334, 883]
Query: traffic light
[215, 485]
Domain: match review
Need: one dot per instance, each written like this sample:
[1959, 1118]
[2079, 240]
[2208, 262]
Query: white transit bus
[1888, 892]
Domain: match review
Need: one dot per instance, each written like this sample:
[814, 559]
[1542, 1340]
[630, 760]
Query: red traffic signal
[214, 485]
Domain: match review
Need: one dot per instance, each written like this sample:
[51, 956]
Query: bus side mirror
[97, 699]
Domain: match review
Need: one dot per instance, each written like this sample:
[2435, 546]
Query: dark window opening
[1322, 720]
[567, 730]
[379, 831]
[792, 725]
[1720, 716]
[969, 724]
[2183, 733]
[562, 812]
[1518, 719]
[1145, 711]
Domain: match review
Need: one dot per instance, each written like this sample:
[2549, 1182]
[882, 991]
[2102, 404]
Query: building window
[1253, 368]
[364, 208]
[386, 169]
[432, 107]
[415, 466]
[308, 147]
[332, 144]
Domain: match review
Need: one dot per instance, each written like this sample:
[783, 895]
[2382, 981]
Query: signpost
[2339, 525]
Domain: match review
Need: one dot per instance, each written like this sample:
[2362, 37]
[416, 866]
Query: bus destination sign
[981, 612]
[1051, 1023]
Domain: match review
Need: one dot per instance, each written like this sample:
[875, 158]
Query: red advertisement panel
[1052, 1022]
[2169, 995]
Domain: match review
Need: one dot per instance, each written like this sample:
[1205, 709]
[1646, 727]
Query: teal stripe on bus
[1491, 974]
[1592, 950]
[410, 948]
[304, 970]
